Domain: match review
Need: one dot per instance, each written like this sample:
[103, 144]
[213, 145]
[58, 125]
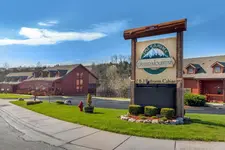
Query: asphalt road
[124, 104]
[95, 101]
[11, 139]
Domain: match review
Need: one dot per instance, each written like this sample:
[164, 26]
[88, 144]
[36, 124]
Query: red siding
[11, 88]
[193, 84]
[69, 82]
[34, 84]
[211, 87]
[25, 87]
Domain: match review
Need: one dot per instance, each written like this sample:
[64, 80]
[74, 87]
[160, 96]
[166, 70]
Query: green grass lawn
[13, 96]
[113, 98]
[205, 127]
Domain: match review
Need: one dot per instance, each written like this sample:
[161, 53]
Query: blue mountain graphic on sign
[154, 53]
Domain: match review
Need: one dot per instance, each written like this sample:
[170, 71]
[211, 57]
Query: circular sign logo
[155, 51]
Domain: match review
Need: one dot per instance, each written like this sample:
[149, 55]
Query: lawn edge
[124, 132]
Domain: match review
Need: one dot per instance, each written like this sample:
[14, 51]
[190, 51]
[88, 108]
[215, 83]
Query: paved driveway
[118, 104]
[95, 101]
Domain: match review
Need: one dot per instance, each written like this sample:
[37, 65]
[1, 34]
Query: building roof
[43, 79]
[20, 74]
[10, 83]
[204, 67]
[62, 67]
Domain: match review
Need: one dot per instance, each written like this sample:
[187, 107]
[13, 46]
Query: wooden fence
[214, 98]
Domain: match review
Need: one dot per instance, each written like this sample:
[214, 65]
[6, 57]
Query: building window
[79, 82]
[91, 85]
[190, 70]
[81, 75]
[217, 69]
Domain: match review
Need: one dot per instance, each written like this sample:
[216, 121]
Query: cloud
[40, 36]
[111, 27]
[35, 36]
[48, 23]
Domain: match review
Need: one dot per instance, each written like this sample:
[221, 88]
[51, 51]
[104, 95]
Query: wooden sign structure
[178, 27]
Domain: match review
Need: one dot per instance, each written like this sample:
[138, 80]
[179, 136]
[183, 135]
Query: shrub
[143, 117]
[194, 100]
[89, 101]
[154, 117]
[89, 109]
[163, 119]
[60, 102]
[135, 109]
[167, 112]
[21, 99]
[150, 110]
[33, 102]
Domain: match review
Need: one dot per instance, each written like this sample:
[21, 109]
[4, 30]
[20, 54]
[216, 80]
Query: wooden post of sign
[133, 69]
[179, 73]
[224, 90]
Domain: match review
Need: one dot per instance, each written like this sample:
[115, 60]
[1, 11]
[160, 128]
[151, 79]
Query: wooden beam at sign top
[133, 70]
[157, 29]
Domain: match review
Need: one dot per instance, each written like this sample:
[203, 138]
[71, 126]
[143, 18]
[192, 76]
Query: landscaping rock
[68, 102]
[180, 120]
[139, 121]
[147, 121]
[126, 115]
[161, 121]
[174, 122]
[155, 121]
[167, 122]
[131, 120]
[124, 118]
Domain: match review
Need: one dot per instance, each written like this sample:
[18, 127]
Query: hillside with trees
[113, 77]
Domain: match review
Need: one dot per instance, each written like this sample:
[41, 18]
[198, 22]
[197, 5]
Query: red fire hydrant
[81, 105]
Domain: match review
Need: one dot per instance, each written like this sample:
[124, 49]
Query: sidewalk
[37, 127]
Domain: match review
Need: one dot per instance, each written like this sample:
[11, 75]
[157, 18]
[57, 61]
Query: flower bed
[155, 119]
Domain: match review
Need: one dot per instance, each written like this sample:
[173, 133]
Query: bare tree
[114, 59]
[128, 58]
[38, 64]
[6, 65]
[120, 58]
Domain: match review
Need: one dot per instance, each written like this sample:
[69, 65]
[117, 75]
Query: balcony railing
[214, 98]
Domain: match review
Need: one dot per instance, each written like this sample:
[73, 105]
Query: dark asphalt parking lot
[124, 105]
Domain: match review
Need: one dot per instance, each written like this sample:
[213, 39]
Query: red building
[206, 75]
[12, 80]
[60, 80]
